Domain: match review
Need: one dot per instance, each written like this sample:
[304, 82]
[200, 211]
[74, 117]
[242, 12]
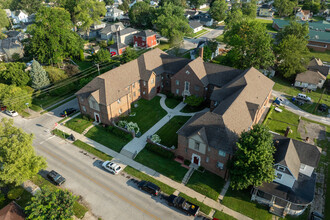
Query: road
[108, 196]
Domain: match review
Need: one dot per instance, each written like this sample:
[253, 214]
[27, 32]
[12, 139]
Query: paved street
[108, 196]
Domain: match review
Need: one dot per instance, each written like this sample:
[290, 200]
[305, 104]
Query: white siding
[308, 170]
[287, 179]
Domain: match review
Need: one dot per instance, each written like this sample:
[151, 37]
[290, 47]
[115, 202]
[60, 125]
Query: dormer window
[281, 168]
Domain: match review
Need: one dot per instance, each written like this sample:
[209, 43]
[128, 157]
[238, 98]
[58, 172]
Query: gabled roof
[197, 65]
[112, 28]
[151, 61]
[127, 31]
[145, 33]
[310, 76]
[12, 211]
[195, 24]
[317, 64]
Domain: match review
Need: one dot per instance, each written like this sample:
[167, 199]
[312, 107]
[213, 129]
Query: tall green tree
[292, 55]
[141, 15]
[14, 97]
[101, 56]
[4, 22]
[17, 157]
[125, 6]
[253, 162]
[52, 205]
[129, 54]
[250, 45]
[294, 28]
[196, 3]
[39, 77]
[284, 7]
[182, 3]
[52, 38]
[235, 15]
[109, 2]
[218, 10]
[250, 9]
[13, 73]
[30, 6]
[171, 23]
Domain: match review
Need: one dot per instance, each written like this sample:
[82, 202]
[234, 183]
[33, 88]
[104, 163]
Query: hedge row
[160, 151]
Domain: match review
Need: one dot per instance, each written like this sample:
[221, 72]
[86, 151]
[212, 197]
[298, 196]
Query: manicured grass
[268, 24]
[240, 202]
[172, 102]
[207, 184]
[92, 150]
[148, 113]
[190, 109]
[142, 176]
[78, 124]
[164, 46]
[201, 32]
[324, 56]
[168, 133]
[219, 38]
[79, 210]
[56, 106]
[167, 167]
[45, 101]
[222, 216]
[60, 133]
[84, 64]
[203, 208]
[279, 121]
[108, 139]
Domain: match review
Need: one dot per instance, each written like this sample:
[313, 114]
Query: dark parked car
[183, 205]
[149, 187]
[57, 178]
[68, 112]
[323, 107]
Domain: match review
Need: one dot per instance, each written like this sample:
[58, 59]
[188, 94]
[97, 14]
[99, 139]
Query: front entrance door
[196, 160]
[97, 118]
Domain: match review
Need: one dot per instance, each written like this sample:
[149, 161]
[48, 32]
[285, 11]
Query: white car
[11, 113]
[112, 167]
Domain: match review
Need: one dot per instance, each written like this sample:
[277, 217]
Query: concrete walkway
[295, 109]
[224, 190]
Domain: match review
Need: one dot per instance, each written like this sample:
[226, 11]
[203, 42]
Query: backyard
[324, 56]
[147, 113]
[78, 124]
[268, 24]
[168, 134]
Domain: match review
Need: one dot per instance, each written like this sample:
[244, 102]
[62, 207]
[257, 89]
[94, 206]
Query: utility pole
[98, 67]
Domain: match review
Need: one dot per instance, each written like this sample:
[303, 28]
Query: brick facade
[145, 42]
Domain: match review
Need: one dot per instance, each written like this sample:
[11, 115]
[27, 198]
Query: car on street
[56, 178]
[182, 204]
[149, 187]
[11, 113]
[111, 167]
[68, 111]
[303, 97]
[322, 107]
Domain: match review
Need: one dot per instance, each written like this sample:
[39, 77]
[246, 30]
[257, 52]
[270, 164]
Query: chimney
[287, 131]
[201, 51]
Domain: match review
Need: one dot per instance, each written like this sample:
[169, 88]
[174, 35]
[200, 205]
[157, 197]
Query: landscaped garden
[168, 134]
[206, 183]
[110, 137]
[79, 123]
[147, 113]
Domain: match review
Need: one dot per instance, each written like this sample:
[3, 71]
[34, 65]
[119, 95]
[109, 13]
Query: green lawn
[92, 150]
[47, 100]
[60, 134]
[324, 56]
[172, 102]
[169, 168]
[168, 134]
[78, 124]
[79, 210]
[84, 64]
[203, 208]
[268, 24]
[207, 184]
[240, 202]
[219, 38]
[164, 46]
[55, 106]
[142, 176]
[201, 32]
[222, 216]
[148, 113]
[108, 139]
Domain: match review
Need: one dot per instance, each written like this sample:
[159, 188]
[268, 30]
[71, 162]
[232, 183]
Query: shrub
[193, 100]
[71, 69]
[15, 56]
[155, 138]
[82, 56]
[131, 126]
[122, 123]
[160, 151]
[55, 74]
[15, 193]
[119, 133]
[2, 198]
[186, 162]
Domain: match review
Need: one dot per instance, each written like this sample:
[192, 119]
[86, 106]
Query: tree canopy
[284, 7]
[13, 74]
[196, 3]
[250, 45]
[30, 6]
[125, 6]
[101, 56]
[38, 76]
[52, 205]
[129, 54]
[182, 3]
[301, 31]
[253, 162]
[17, 157]
[52, 38]
[109, 2]
[250, 9]
[141, 15]
[4, 22]
[218, 10]
[235, 15]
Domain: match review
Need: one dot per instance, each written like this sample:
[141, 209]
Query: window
[144, 83]
[207, 159]
[220, 165]
[196, 145]
[186, 86]
[144, 92]
[127, 88]
[278, 175]
[281, 168]
[152, 81]
[197, 88]
[119, 111]
[177, 91]
[118, 100]
[162, 77]
[177, 82]
[222, 153]
[134, 94]
[187, 72]
[84, 108]
[133, 85]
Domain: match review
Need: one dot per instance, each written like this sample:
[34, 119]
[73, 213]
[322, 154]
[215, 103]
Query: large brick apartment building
[237, 97]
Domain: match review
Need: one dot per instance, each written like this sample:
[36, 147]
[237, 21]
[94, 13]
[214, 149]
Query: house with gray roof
[108, 31]
[294, 185]
[9, 47]
[195, 26]
[114, 14]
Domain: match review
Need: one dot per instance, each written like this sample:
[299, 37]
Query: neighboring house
[195, 26]
[310, 79]
[317, 65]
[190, 13]
[237, 97]
[294, 186]
[319, 34]
[107, 32]
[12, 211]
[125, 35]
[270, 72]
[114, 14]
[94, 31]
[266, 11]
[304, 15]
[17, 35]
[9, 47]
[145, 39]
[19, 16]
[207, 21]
[117, 49]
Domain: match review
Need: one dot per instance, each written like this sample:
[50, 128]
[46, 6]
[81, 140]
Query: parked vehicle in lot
[323, 107]
[149, 187]
[183, 204]
[11, 113]
[68, 112]
[278, 101]
[111, 167]
[57, 178]
[303, 97]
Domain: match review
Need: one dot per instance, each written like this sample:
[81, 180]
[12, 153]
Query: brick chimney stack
[201, 51]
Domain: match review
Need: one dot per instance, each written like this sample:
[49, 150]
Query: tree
[55, 74]
[13, 74]
[196, 3]
[218, 10]
[250, 9]
[38, 76]
[101, 56]
[235, 15]
[171, 23]
[14, 97]
[312, 6]
[4, 22]
[17, 157]
[52, 38]
[193, 100]
[181, 3]
[30, 6]
[125, 6]
[141, 15]
[109, 2]
[292, 55]
[284, 7]
[294, 28]
[250, 45]
[129, 55]
[253, 162]
[52, 205]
